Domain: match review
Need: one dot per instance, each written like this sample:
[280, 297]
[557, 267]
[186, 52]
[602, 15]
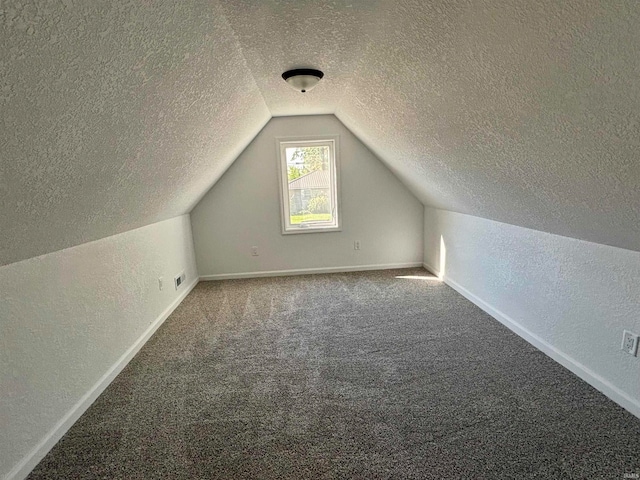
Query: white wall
[570, 298]
[68, 317]
[243, 210]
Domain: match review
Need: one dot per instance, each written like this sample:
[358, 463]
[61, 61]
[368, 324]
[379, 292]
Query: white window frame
[334, 168]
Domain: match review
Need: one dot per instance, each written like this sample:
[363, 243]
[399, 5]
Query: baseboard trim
[307, 271]
[29, 462]
[589, 376]
[431, 269]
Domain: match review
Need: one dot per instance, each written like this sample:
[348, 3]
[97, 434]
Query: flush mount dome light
[303, 79]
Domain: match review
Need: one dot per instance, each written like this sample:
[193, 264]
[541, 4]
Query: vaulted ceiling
[116, 115]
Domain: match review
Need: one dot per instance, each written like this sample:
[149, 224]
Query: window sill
[312, 230]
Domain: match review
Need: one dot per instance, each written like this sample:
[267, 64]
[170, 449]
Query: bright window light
[426, 276]
[443, 258]
[309, 185]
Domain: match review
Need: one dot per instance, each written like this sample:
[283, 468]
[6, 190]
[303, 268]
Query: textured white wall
[574, 295]
[67, 317]
[243, 210]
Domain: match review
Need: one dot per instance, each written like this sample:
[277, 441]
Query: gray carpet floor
[358, 375]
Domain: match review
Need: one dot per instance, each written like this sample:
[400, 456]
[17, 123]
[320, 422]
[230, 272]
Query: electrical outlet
[356, 245]
[254, 251]
[630, 343]
[179, 280]
[160, 283]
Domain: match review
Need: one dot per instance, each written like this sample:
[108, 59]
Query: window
[309, 185]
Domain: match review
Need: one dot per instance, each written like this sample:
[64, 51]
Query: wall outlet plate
[160, 283]
[356, 245]
[254, 251]
[629, 343]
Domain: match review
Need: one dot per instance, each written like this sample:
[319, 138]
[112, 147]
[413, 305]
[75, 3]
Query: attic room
[426, 265]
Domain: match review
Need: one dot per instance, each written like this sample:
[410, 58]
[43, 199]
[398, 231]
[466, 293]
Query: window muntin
[309, 185]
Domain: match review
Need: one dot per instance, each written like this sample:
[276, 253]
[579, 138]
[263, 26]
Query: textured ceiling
[525, 112]
[116, 115]
[276, 36]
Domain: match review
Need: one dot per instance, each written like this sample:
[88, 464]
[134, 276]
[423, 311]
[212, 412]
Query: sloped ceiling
[116, 115]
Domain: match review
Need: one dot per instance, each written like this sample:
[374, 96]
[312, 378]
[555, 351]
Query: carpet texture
[356, 375]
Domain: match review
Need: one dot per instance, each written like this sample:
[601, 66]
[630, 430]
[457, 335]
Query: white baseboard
[431, 269]
[29, 462]
[589, 376]
[307, 271]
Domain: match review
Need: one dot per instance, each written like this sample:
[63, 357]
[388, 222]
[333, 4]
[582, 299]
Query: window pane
[309, 185]
[309, 179]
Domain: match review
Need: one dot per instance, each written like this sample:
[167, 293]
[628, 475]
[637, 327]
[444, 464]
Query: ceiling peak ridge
[244, 58]
[384, 6]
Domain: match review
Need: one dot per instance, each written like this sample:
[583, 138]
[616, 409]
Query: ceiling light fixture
[303, 79]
